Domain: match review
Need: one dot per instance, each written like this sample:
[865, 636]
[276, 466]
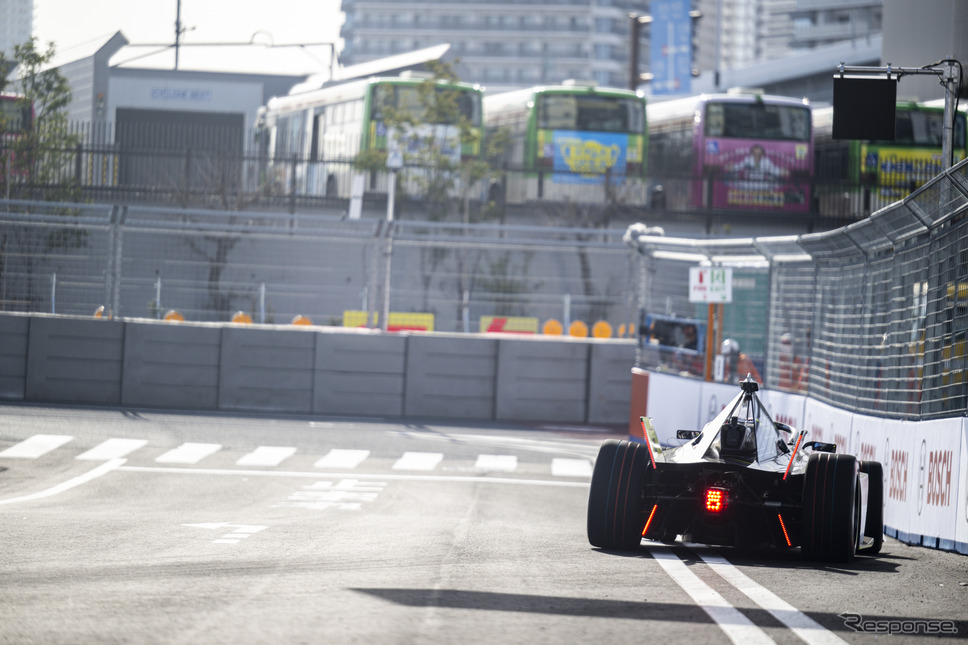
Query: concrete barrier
[171, 365]
[13, 357]
[359, 374]
[304, 369]
[542, 380]
[261, 368]
[74, 360]
[451, 376]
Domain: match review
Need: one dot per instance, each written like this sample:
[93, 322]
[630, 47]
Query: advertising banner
[828, 424]
[961, 521]
[937, 462]
[754, 174]
[784, 407]
[583, 157]
[672, 405]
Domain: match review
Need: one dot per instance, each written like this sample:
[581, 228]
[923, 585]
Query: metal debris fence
[872, 317]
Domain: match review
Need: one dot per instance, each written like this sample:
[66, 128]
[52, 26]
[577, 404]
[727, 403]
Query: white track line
[112, 449]
[732, 621]
[69, 484]
[36, 446]
[802, 625]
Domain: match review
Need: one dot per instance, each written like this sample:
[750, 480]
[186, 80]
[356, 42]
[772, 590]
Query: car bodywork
[744, 480]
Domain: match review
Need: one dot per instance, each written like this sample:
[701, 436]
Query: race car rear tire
[831, 508]
[874, 527]
[615, 497]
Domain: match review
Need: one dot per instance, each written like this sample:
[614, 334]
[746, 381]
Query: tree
[43, 154]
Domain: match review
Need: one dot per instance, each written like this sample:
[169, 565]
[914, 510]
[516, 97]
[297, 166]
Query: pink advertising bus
[742, 150]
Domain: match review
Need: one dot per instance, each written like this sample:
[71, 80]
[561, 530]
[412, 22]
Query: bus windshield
[591, 113]
[410, 100]
[924, 128]
[758, 121]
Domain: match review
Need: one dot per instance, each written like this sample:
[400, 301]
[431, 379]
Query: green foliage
[43, 156]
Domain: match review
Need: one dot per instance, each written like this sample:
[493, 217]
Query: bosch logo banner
[939, 477]
[897, 487]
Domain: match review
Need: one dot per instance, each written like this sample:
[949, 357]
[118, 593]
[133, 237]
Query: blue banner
[671, 53]
[583, 157]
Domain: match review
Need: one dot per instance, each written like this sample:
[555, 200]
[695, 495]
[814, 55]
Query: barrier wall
[296, 369]
[925, 463]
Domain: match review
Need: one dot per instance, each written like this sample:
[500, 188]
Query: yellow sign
[602, 329]
[509, 325]
[552, 328]
[398, 320]
[578, 329]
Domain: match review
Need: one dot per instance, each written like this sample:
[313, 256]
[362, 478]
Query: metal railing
[871, 317]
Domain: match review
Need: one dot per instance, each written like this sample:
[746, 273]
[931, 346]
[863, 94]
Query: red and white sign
[710, 284]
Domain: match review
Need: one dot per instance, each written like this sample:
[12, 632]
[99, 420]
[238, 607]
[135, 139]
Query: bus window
[759, 121]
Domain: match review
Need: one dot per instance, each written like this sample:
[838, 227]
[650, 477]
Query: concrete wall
[314, 370]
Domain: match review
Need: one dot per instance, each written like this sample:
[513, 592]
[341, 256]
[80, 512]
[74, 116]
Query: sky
[73, 25]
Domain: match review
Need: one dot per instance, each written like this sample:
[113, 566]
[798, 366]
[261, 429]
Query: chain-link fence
[872, 317]
[207, 265]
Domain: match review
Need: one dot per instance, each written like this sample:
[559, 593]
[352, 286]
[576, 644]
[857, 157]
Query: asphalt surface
[158, 527]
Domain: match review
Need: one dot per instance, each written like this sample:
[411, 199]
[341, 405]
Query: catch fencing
[872, 317]
[140, 262]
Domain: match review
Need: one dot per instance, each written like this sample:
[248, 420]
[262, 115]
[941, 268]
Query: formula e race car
[744, 480]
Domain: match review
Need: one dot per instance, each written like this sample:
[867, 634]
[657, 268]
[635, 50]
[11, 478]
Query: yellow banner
[397, 321]
[509, 325]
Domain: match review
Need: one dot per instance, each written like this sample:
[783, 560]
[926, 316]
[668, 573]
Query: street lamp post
[394, 164]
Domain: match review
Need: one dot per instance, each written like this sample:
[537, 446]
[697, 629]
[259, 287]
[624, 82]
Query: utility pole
[178, 30]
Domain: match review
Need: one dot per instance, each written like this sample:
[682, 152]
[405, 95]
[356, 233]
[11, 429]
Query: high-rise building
[500, 44]
[16, 24]
[528, 42]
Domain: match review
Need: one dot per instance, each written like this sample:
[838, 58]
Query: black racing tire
[874, 527]
[615, 497]
[831, 508]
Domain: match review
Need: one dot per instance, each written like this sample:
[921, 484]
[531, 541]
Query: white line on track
[802, 625]
[267, 456]
[380, 476]
[112, 449]
[103, 469]
[36, 446]
[734, 623]
[341, 458]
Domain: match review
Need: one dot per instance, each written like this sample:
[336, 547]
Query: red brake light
[716, 500]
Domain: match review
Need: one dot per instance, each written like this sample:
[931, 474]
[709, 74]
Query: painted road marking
[267, 456]
[802, 625]
[505, 463]
[344, 495]
[36, 446]
[571, 467]
[732, 621]
[239, 531]
[189, 453]
[235, 472]
[112, 449]
[337, 458]
[418, 461]
[69, 484]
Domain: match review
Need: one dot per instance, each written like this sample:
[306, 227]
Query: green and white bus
[313, 138]
[857, 177]
[565, 140]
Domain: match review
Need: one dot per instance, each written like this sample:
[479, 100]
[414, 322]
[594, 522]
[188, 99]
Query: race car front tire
[615, 496]
[831, 508]
[874, 527]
